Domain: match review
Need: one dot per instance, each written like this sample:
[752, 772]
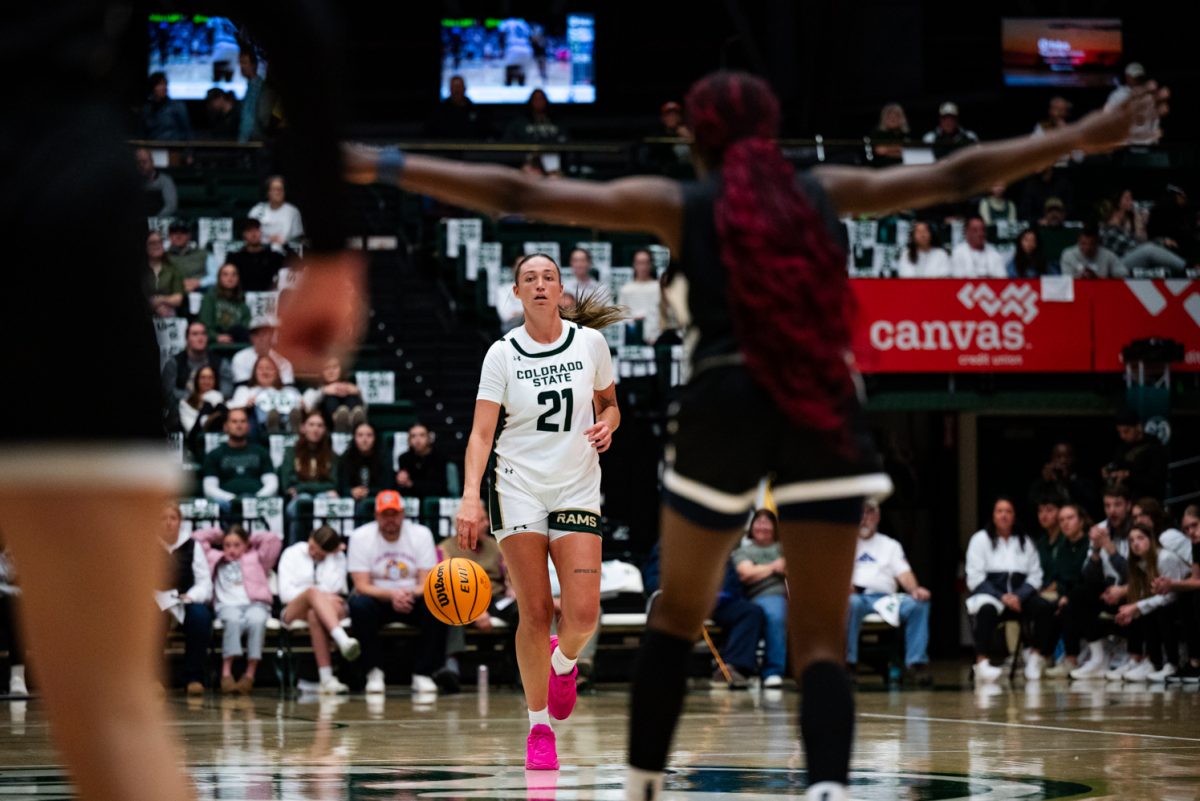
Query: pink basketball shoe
[561, 698]
[541, 753]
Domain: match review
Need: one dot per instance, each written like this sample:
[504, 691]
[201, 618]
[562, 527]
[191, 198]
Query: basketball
[457, 591]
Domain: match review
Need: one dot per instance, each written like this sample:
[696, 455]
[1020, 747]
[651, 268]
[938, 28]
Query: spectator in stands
[1102, 586]
[996, 207]
[164, 119]
[1147, 130]
[643, 296]
[1027, 260]
[742, 621]
[262, 340]
[191, 583]
[312, 588]
[1172, 222]
[166, 284]
[890, 136]
[255, 114]
[457, 117]
[388, 561]
[949, 135]
[178, 370]
[1062, 554]
[1054, 214]
[1123, 230]
[309, 469]
[1150, 513]
[224, 311]
[239, 467]
[1004, 577]
[922, 257]
[223, 116]
[974, 257]
[242, 595]
[275, 407]
[881, 570]
[162, 198]
[1049, 183]
[1057, 112]
[761, 568]
[1140, 461]
[280, 220]
[1087, 259]
[487, 555]
[673, 159]
[583, 280]
[422, 468]
[10, 635]
[189, 260]
[337, 398]
[364, 471]
[258, 264]
[1060, 480]
[1150, 618]
[1189, 599]
[202, 408]
[534, 125]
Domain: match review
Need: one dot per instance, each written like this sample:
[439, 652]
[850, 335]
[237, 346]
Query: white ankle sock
[827, 791]
[562, 666]
[339, 636]
[326, 673]
[539, 718]
[17, 672]
[643, 785]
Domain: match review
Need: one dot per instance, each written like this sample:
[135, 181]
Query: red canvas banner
[969, 326]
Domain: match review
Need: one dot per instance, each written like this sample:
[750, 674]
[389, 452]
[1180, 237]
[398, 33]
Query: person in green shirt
[224, 311]
[238, 467]
[164, 283]
[309, 469]
[763, 572]
[191, 261]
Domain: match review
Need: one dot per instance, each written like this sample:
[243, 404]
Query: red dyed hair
[789, 294]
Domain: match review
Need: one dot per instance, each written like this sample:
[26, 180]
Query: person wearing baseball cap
[948, 136]
[388, 560]
[262, 343]
[1146, 131]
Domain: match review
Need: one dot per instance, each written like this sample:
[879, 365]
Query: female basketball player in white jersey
[554, 379]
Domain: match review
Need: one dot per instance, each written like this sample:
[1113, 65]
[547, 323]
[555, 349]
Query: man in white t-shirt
[262, 337]
[974, 257]
[1147, 130]
[388, 561]
[880, 570]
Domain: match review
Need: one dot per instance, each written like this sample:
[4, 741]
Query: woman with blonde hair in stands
[1149, 617]
[312, 588]
[272, 406]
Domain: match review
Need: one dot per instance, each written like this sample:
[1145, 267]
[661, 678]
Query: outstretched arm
[860, 190]
[642, 203]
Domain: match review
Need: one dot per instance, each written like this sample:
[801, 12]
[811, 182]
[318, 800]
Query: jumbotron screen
[1060, 52]
[503, 59]
[196, 52]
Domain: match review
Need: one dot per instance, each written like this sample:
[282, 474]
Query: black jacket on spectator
[182, 577]
[1146, 461]
[257, 270]
[357, 470]
[428, 473]
[183, 371]
[450, 121]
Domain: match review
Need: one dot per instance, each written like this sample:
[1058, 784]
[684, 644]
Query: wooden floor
[1057, 741]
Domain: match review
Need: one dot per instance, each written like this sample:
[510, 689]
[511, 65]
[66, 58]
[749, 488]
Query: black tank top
[707, 293]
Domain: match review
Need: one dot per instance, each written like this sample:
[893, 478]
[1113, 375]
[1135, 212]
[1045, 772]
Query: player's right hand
[1108, 129]
[468, 522]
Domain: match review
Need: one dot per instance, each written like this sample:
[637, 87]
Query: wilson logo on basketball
[1015, 300]
[457, 591]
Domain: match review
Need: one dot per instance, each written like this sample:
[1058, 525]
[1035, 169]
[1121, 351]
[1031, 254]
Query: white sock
[827, 791]
[339, 636]
[539, 718]
[562, 666]
[326, 673]
[17, 672]
[643, 785]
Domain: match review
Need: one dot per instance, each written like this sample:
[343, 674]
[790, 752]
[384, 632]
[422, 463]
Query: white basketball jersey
[546, 392]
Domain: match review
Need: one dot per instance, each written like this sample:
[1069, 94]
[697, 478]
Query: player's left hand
[599, 436]
[324, 317]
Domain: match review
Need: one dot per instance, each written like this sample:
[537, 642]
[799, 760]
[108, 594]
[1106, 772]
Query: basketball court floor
[1056, 741]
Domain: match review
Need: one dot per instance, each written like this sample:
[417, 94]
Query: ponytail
[590, 312]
